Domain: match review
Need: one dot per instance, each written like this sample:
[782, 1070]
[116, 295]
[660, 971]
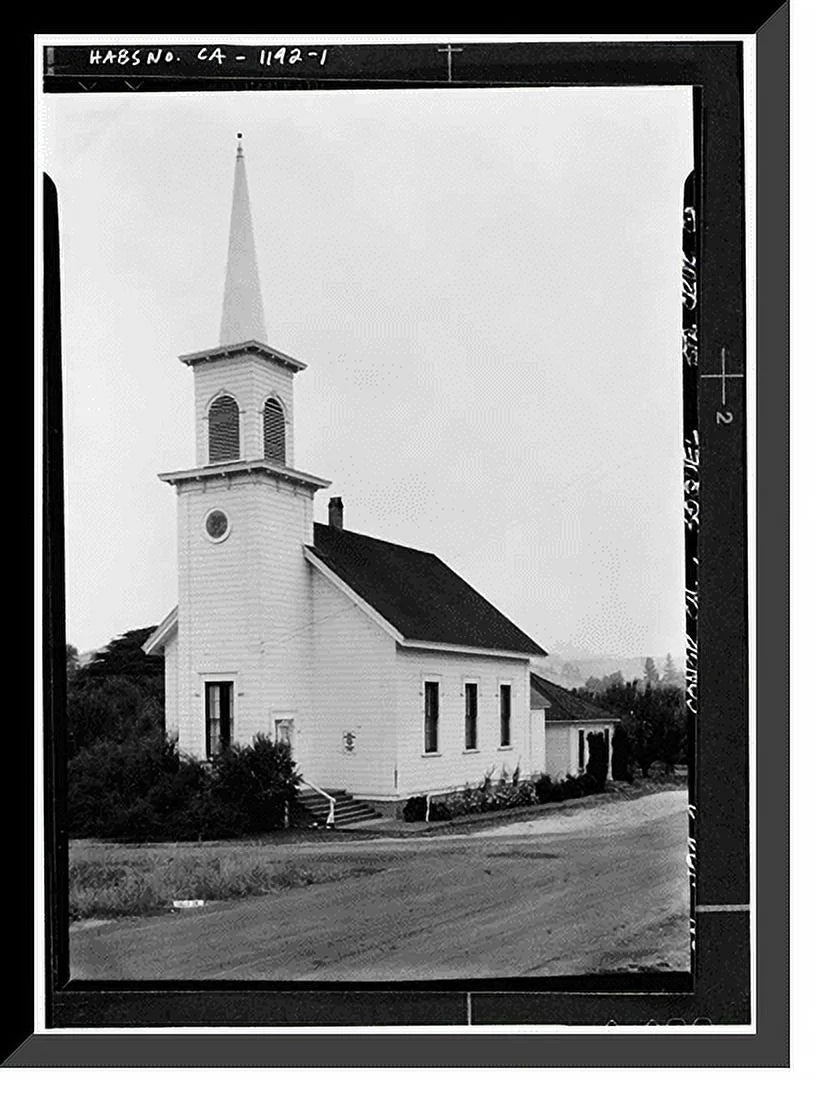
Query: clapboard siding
[250, 381]
[354, 662]
[537, 740]
[561, 749]
[244, 604]
[452, 766]
[562, 745]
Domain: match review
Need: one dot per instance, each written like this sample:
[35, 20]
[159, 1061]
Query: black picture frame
[722, 988]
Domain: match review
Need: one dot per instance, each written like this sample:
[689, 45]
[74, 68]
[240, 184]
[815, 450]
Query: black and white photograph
[411, 518]
[411, 463]
[374, 509]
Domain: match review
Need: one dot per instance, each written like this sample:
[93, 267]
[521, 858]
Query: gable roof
[566, 706]
[417, 593]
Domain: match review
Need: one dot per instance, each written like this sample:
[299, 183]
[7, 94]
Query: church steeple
[244, 388]
[243, 316]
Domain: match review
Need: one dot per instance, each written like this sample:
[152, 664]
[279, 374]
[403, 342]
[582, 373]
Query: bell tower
[244, 514]
[235, 380]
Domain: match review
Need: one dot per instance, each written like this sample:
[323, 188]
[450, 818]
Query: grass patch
[109, 881]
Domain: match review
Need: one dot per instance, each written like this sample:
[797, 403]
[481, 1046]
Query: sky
[485, 286]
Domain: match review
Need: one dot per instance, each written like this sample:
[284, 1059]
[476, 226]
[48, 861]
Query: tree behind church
[125, 778]
[652, 725]
[671, 676]
[118, 696]
[651, 672]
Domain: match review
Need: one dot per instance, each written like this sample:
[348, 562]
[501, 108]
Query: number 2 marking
[723, 417]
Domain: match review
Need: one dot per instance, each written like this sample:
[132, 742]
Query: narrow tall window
[218, 716]
[504, 693]
[430, 717]
[273, 430]
[581, 750]
[470, 717]
[223, 430]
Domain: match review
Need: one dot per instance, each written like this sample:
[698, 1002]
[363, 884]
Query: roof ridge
[384, 542]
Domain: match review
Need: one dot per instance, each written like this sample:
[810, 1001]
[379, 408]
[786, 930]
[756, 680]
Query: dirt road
[595, 892]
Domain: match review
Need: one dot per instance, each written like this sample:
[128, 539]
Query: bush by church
[505, 794]
[140, 789]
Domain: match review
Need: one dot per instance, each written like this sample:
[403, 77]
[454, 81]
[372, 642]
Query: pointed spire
[243, 317]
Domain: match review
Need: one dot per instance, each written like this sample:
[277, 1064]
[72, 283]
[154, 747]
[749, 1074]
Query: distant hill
[574, 672]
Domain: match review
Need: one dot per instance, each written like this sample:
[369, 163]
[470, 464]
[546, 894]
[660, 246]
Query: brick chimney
[336, 512]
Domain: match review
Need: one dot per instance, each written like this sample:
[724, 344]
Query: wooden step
[346, 808]
[362, 817]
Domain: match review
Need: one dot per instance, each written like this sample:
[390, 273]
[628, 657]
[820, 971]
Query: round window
[216, 525]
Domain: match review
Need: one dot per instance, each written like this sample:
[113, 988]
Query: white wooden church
[387, 673]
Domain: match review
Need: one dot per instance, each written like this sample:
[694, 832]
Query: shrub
[548, 790]
[415, 809]
[525, 793]
[621, 755]
[522, 794]
[141, 789]
[509, 792]
[255, 783]
[573, 787]
[463, 802]
[108, 784]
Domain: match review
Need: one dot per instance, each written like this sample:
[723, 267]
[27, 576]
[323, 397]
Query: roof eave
[584, 719]
[233, 350]
[224, 469]
[465, 648]
[156, 642]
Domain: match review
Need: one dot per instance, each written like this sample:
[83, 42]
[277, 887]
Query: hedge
[506, 794]
[142, 789]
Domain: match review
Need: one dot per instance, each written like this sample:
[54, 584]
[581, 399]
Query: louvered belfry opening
[273, 430]
[223, 430]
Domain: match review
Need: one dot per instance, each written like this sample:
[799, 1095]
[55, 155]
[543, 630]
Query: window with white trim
[431, 702]
[218, 716]
[471, 716]
[505, 706]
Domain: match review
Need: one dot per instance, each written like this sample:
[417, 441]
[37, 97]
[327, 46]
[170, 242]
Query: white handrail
[322, 792]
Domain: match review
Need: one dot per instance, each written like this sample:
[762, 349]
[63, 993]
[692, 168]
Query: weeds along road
[603, 890]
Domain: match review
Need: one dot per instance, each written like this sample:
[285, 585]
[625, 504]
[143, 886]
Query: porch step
[346, 808]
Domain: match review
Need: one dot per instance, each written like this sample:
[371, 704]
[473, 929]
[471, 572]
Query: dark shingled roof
[417, 593]
[536, 699]
[564, 705]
